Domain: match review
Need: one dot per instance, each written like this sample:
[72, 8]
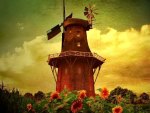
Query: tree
[124, 93]
[39, 95]
[29, 95]
[144, 98]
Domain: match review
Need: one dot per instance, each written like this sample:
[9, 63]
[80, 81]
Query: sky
[121, 34]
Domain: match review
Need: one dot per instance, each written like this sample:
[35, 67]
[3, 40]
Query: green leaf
[99, 89]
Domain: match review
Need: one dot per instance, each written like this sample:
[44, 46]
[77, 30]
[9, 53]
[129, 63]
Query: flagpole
[64, 10]
[64, 16]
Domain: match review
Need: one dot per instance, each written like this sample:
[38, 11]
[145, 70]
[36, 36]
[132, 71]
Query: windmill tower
[75, 66]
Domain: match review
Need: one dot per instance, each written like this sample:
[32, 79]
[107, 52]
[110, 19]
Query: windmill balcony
[57, 57]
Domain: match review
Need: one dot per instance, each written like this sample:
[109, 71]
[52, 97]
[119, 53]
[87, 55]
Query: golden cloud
[126, 52]
[127, 57]
[27, 68]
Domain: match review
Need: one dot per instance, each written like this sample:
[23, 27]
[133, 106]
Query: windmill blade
[88, 15]
[95, 9]
[70, 16]
[86, 9]
[53, 32]
[95, 13]
[85, 13]
[92, 7]
[92, 16]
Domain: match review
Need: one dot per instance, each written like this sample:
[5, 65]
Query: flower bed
[118, 100]
[78, 102]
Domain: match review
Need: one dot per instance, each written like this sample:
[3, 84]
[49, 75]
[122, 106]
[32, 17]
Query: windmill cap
[76, 21]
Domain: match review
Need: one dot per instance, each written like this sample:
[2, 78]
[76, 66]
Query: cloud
[127, 61]
[26, 68]
[127, 57]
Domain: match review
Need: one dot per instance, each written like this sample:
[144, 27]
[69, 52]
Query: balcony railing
[76, 53]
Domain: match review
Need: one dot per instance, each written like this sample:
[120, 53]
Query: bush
[76, 101]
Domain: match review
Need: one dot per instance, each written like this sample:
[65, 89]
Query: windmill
[74, 67]
[89, 12]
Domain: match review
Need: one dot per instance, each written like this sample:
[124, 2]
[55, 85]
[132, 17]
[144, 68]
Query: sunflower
[117, 109]
[54, 95]
[82, 94]
[76, 106]
[104, 93]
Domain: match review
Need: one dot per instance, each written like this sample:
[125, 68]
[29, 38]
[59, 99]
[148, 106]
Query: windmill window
[78, 44]
[66, 71]
[70, 31]
[79, 70]
[78, 35]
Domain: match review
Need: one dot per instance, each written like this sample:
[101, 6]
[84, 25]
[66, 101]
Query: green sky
[22, 20]
[121, 34]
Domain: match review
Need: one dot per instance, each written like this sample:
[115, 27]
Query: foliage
[118, 100]
[125, 93]
[13, 102]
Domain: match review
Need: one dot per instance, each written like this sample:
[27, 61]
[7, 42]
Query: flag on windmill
[89, 13]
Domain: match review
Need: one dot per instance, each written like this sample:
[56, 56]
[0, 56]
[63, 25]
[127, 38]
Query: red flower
[54, 95]
[29, 107]
[76, 106]
[104, 93]
[82, 94]
[117, 109]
